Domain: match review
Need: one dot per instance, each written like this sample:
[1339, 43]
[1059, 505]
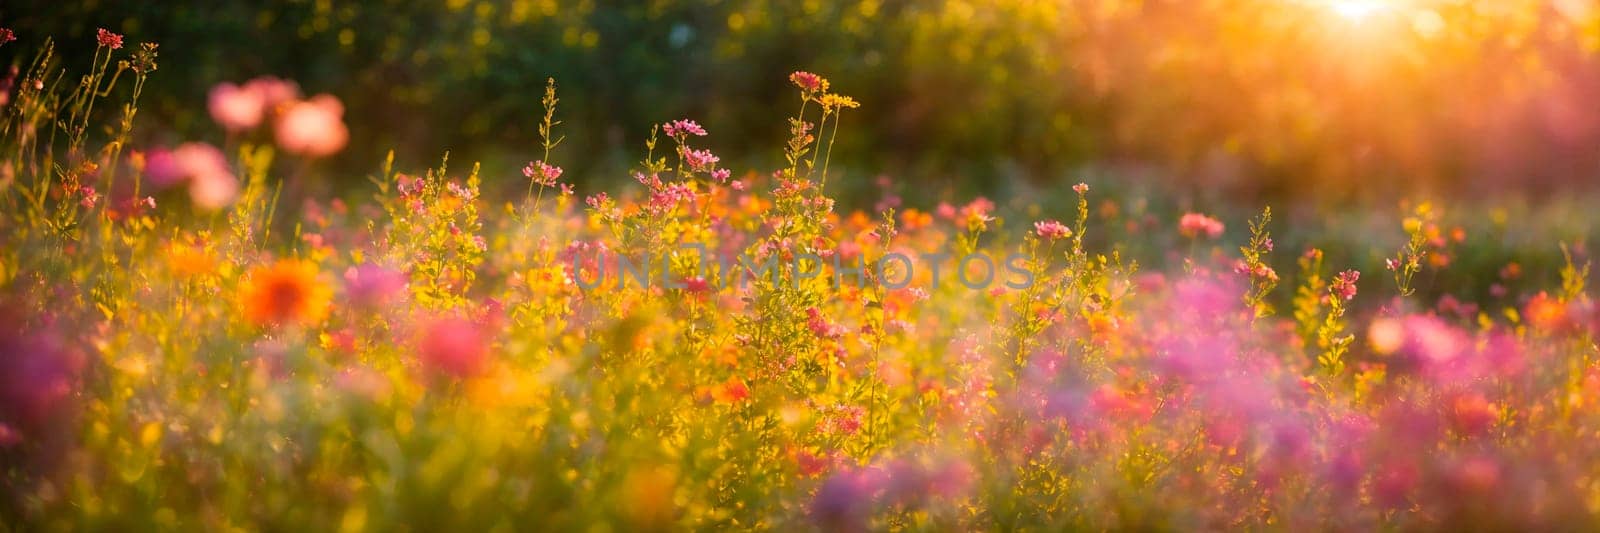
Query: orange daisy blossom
[284, 292]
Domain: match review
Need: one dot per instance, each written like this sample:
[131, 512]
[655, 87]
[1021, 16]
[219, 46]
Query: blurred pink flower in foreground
[453, 347]
[212, 185]
[313, 128]
[373, 285]
[38, 374]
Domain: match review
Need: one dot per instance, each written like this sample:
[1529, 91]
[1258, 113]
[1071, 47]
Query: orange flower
[732, 391]
[1546, 312]
[284, 292]
[190, 260]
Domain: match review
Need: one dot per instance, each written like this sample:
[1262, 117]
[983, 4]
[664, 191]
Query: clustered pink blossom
[1051, 230]
[1081, 188]
[806, 80]
[108, 39]
[700, 160]
[87, 196]
[7, 36]
[542, 173]
[1194, 225]
[685, 127]
[820, 326]
[1344, 284]
[1260, 270]
[668, 197]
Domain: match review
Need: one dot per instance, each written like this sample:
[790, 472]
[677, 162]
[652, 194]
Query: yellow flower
[288, 291]
[838, 101]
[190, 260]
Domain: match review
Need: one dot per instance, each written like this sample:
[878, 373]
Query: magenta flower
[808, 81]
[373, 285]
[700, 160]
[685, 127]
[1344, 284]
[542, 173]
[7, 36]
[108, 39]
[1080, 188]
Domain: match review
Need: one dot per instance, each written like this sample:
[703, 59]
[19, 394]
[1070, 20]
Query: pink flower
[542, 173]
[39, 373]
[313, 128]
[7, 36]
[211, 183]
[1344, 284]
[454, 347]
[88, 197]
[700, 160]
[1051, 230]
[808, 81]
[372, 285]
[1194, 225]
[108, 39]
[273, 91]
[214, 191]
[1081, 188]
[235, 108]
[683, 127]
[721, 175]
[1471, 413]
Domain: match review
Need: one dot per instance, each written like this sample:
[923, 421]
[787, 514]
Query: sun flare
[1357, 10]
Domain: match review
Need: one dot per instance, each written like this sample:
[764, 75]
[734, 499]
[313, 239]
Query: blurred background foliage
[1254, 100]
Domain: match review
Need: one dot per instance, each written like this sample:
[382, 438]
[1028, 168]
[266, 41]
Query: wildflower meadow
[232, 313]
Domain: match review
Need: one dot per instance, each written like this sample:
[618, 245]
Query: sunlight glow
[1356, 10]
